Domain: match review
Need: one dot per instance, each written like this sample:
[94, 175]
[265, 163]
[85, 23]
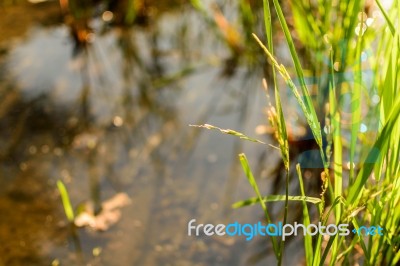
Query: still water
[112, 117]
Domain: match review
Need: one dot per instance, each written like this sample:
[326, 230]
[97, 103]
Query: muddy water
[114, 117]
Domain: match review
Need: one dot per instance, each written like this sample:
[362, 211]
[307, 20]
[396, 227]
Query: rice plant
[354, 46]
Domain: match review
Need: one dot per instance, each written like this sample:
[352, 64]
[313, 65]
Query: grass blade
[310, 111]
[380, 147]
[306, 220]
[252, 181]
[69, 212]
[386, 16]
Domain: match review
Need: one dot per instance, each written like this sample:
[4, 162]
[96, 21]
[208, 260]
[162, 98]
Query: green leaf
[380, 147]
[252, 181]
[306, 220]
[69, 212]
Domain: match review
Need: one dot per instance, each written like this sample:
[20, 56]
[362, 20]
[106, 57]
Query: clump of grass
[368, 191]
[348, 204]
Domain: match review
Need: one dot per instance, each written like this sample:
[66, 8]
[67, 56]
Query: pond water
[113, 117]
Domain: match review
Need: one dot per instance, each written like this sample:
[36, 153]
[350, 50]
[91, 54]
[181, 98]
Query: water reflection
[103, 103]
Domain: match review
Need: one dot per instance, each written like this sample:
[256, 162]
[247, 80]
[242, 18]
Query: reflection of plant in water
[134, 136]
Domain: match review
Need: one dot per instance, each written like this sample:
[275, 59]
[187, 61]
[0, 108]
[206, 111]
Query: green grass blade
[310, 116]
[327, 249]
[379, 148]
[386, 16]
[253, 183]
[280, 120]
[306, 220]
[317, 251]
[315, 127]
[337, 142]
[356, 104]
[362, 243]
[69, 212]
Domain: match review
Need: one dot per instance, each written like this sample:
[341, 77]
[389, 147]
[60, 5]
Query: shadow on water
[103, 100]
